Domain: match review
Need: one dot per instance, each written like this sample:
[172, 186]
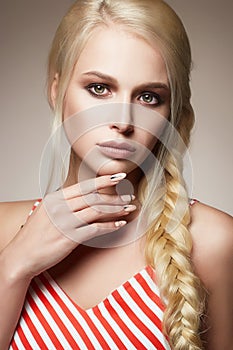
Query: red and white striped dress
[130, 317]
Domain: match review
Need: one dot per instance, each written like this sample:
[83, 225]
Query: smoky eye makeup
[99, 85]
[149, 98]
[152, 95]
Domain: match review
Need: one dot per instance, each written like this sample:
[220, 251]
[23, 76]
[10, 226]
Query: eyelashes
[150, 98]
[146, 98]
[99, 90]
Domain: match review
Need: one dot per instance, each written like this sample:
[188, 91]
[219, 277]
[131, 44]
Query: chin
[98, 165]
[116, 166]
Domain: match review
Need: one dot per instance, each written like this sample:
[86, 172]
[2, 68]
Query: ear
[54, 90]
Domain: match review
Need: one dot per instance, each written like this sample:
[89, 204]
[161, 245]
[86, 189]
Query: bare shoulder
[12, 216]
[212, 233]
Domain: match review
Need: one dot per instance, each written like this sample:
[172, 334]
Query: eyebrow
[102, 76]
[150, 85]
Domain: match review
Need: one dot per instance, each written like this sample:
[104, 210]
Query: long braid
[169, 251]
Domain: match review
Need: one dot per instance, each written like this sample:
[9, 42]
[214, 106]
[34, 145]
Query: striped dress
[130, 317]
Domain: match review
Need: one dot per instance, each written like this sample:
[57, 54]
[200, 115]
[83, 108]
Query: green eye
[150, 98]
[98, 90]
[147, 98]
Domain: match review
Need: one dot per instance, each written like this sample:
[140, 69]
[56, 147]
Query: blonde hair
[169, 243]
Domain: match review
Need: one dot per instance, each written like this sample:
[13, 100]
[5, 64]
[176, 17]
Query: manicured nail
[129, 208]
[127, 197]
[120, 223]
[118, 177]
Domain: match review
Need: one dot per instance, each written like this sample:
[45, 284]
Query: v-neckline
[147, 269]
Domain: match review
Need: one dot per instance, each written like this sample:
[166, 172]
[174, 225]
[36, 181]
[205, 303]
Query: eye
[100, 90]
[150, 98]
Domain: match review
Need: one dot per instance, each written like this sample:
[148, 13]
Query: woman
[118, 82]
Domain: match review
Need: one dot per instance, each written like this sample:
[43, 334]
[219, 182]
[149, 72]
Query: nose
[123, 122]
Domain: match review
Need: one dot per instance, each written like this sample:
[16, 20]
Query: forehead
[119, 53]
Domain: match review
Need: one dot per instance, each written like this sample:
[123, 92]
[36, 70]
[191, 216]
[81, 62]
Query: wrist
[12, 270]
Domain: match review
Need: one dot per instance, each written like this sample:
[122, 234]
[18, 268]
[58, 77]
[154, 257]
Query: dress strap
[37, 202]
[192, 201]
[35, 205]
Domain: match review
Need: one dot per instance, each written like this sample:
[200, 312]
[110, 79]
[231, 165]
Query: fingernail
[120, 223]
[127, 197]
[118, 177]
[129, 208]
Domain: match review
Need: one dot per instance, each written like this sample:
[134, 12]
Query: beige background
[26, 30]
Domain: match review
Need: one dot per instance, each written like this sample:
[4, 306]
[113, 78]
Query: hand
[62, 221]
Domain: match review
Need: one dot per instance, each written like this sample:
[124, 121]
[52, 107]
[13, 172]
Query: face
[118, 86]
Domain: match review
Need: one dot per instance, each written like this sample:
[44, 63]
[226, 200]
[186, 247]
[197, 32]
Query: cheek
[70, 106]
[74, 101]
[77, 100]
[148, 140]
[83, 143]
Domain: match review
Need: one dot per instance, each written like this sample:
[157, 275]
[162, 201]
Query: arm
[212, 232]
[61, 222]
[12, 291]
[12, 295]
[220, 307]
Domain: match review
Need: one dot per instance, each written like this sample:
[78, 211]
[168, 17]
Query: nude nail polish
[120, 223]
[127, 197]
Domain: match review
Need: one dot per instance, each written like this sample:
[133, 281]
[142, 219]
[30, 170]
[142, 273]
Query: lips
[116, 149]
[118, 145]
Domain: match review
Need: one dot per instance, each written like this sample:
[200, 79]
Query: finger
[82, 202]
[102, 212]
[92, 185]
[88, 232]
